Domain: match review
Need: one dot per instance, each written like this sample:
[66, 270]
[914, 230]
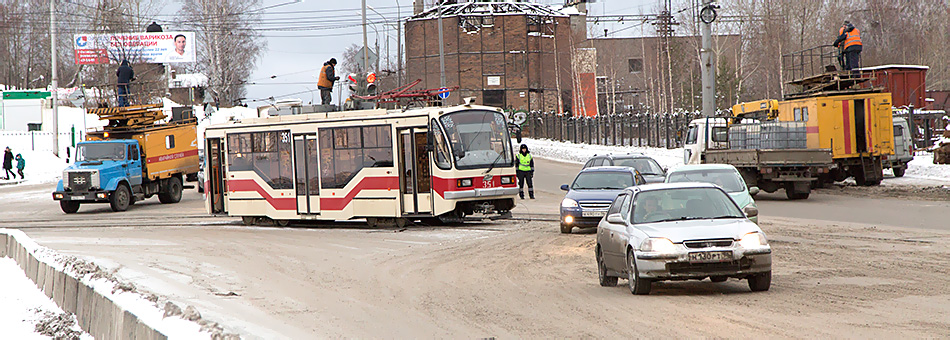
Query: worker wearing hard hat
[849, 41]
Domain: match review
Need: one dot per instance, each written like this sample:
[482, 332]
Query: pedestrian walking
[125, 75]
[20, 164]
[525, 171]
[849, 41]
[327, 77]
[8, 164]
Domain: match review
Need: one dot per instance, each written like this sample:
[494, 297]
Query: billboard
[154, 47]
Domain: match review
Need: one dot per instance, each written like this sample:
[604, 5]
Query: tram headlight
[464, 182]
[507, 179]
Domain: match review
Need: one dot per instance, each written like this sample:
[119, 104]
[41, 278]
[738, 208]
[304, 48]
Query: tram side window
[265, 153]
[345, 151]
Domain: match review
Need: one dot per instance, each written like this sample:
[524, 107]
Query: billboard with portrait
[154, 47]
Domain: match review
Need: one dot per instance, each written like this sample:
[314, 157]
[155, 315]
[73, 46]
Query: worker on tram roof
[327, 77]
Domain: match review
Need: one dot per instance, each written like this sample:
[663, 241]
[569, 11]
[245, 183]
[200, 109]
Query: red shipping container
[906, 83]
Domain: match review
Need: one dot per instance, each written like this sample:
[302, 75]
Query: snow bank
[580, 153]
[923, 167]
[24, 306]
[41, 167]
[146, 307]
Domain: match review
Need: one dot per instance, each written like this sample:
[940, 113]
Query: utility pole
[55, 77]
[365, 47]
[707, 59]
[398, 46]
[441, 47]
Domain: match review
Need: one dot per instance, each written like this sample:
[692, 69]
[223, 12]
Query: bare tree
[228, 46]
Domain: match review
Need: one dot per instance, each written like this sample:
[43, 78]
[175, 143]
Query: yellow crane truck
[134, 158]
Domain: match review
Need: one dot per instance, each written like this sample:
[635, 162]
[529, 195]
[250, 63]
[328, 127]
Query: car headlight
[568, 203]
[658, 245]
[753, 240]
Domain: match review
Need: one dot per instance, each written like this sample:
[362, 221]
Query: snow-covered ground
[143, 305]
[23, 306]
[41, 167]
[921, 171]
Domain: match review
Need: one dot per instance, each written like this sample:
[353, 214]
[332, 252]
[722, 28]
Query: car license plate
[711, 256]
[593, 213]
[79, 198]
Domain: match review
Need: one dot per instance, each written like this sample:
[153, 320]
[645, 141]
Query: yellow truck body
[851, 126]
[168, 150]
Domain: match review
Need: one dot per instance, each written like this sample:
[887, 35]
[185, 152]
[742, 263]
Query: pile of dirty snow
[26, 313]
[580, 153]
[923, 167]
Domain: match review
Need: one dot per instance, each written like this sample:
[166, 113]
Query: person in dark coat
[325, 82]
[525, 171]
[8, 164]
[849, 41]
[20, 164]
[125, 75]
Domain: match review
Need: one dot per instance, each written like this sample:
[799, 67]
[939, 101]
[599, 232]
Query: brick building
[509, 54]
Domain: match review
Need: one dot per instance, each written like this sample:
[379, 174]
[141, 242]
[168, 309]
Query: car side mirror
[665, 169]
[615, 219]
[565, 187]
[754, 191]
[751, 211]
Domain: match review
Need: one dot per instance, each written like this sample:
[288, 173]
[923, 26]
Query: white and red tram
[385, 166]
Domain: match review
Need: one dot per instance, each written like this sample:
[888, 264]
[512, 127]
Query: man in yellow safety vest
[525, 171]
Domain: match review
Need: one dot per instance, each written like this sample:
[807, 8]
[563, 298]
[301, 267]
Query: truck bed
[770, 157]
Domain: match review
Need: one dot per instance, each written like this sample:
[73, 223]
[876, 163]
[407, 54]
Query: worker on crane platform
[849, 42]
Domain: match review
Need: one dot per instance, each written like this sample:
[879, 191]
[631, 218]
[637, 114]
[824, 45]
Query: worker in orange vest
[849, 41]
[325, 82]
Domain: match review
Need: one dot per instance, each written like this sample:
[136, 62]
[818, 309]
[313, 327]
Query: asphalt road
[834, 272]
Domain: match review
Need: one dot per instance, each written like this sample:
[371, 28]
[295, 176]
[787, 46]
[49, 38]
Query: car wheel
[760, 282]
[566, 229]
[638, 285]
[899, 172]
[69, 207]
[718, 279]
[120, 198]
[605, 280]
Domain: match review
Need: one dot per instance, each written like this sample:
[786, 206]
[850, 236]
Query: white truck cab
[704, 134]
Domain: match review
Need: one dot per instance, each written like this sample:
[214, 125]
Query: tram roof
[323, 117]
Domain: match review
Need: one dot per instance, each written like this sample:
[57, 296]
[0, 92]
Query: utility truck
[765, 153]
[135, 157]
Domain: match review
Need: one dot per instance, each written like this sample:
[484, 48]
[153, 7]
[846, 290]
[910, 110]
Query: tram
[389, 167]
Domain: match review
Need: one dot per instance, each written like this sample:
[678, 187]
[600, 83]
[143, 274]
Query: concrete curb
[100, 317]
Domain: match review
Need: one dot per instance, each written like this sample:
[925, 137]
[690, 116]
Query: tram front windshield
[478, 139]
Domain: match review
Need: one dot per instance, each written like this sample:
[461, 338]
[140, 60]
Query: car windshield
[602, 180]
[478, 139]
[645, 166]
[100, 152]
[683, 204]
[728, 179]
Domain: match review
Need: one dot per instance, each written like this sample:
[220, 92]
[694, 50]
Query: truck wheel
[795, 195]
[69, 207]
[899, 172]
[172, 192]
[120, 198]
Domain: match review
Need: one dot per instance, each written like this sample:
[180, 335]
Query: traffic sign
[372, 59]
[444, 93]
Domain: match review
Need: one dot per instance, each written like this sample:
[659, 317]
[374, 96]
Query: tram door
[415, 177]
[214, 164]
[306, 174]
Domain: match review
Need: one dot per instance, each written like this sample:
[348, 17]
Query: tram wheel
[249, 220]
[372, 222]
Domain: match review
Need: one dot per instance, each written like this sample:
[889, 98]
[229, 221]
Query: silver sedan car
[680, 231]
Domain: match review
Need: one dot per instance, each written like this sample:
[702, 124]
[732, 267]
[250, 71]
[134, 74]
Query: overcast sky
[296, 56]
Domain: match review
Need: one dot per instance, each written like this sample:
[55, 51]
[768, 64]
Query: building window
[635, 65]
[345, 151]
[494, 98]
[265, 153]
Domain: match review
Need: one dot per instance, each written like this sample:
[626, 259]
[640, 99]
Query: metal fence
[624, 129]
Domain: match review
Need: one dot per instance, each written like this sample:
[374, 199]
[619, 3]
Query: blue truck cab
[103, 172]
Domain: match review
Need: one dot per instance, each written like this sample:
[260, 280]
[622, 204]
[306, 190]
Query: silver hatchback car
[680, 231]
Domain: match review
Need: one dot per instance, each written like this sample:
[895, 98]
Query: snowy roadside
[41, 167]
[580, 153]
[26, 313]
[163, 316]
